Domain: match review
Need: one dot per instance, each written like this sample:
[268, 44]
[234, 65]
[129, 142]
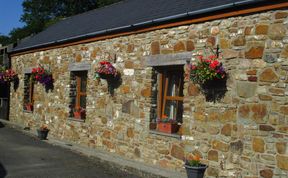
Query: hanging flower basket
[106, 70]
[7, 75]
[206, 70]
[42, 76]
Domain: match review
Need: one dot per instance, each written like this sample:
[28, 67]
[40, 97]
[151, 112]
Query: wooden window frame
[30, 86]
[162, 97]
[78, 91]
[78, 77]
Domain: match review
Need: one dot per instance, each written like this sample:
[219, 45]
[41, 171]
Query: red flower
[41, 71]
[214, 64]
[212, 57]
[208, 61]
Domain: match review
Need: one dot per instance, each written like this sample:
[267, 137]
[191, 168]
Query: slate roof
[125, 15]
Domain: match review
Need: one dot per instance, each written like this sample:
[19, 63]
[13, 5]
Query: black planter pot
[106, 76]
[195, 172]
[42, 134]
[215, 83]
[214, 89]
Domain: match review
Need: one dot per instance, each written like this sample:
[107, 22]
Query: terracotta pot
[168, 127]
[77, 115]
[29, 107]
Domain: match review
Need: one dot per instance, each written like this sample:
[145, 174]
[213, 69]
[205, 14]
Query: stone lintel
[79, 66]
[28, 70]
[168, 59]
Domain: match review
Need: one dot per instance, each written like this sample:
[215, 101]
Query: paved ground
[23, 156]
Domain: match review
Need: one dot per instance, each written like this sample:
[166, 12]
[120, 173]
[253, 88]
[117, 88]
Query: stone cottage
[244, 132]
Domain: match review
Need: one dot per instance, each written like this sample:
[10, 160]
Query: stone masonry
[245, 134]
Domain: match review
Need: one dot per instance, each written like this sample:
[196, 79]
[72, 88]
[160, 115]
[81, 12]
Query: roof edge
[124, 30]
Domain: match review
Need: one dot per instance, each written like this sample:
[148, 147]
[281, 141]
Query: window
[78, 87]
[169, 97]
[28, 93]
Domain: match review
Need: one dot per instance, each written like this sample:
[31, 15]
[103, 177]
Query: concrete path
[23, 156]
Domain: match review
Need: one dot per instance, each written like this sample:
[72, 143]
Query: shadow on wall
[214, 90]
[114, 83]
[1, 126]
[3, 171]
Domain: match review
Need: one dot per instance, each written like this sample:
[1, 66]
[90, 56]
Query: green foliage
[194, 163]
[4, 40]
[39, 14]
[19, 33]
[207, 69]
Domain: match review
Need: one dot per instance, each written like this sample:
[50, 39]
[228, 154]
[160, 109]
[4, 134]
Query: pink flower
[212, 57]
[193, 67]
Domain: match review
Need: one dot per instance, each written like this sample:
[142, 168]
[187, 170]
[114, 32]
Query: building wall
[245, 133]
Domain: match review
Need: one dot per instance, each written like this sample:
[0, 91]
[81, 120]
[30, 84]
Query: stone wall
[243, 134]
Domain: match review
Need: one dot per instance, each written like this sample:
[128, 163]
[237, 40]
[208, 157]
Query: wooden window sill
[173, 135]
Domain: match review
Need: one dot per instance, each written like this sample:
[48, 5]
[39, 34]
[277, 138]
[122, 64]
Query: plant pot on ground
[194, 168]
[42, 132]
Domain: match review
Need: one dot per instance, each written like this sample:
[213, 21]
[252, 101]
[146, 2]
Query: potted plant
[167, 125]
[207, 70]
[7, 75]
[43, 132]
[194, 168]
[153, 124]
[106, 70]
[80, 113]
[43, 76]
[29, 107]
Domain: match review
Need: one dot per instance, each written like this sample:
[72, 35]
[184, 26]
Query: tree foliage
[39, 14]
[4, 40]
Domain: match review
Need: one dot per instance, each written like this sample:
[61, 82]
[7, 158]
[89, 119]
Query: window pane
[173, 110]
[173, 85]
[83, 83]
[83, 101]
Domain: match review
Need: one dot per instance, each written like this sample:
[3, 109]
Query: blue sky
[10, 13]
